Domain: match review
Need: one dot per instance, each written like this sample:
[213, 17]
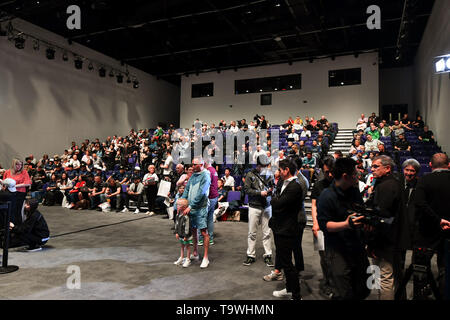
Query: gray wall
[396, 87]
[432, 91]
[339, 104]
[46, 104]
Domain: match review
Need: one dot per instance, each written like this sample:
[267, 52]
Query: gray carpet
[130, 256]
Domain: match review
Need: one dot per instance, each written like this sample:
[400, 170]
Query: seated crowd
[400, 140]
[107, 175]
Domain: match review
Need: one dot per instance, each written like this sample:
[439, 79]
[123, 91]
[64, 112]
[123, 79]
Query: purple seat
[233, 196]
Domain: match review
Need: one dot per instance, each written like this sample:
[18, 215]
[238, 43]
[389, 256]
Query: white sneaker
[125, 210]
[180, 261]
[282, 294]
[150, 213]
[186, 263]
[205, 263]
[137, 211]
[196, 258]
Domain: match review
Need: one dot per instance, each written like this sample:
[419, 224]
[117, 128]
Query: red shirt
[78, 187]
[20, 178]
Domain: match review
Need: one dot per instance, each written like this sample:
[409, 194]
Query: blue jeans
[210, 218]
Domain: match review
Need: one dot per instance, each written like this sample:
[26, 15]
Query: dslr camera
[370, 214]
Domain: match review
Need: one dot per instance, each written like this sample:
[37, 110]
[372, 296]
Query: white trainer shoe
[282, 294]
[205, 263]
[186, 263]
[125, 210]
[180, 261]
[195, 258]
[137, 211]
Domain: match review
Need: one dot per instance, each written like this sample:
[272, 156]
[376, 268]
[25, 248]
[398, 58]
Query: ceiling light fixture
[78, 63]
[36, 45]
[50, 53]
[102, 72]
[19, 42]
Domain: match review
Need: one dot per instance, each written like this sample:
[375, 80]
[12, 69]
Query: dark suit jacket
[432, 201]
[285, 209]
[406, 228]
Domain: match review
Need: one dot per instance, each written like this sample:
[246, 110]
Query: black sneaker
[33, 249]
[326, 292]
[268, 261]
[249, 261]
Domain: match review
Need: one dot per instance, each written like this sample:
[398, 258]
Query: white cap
[10, 184]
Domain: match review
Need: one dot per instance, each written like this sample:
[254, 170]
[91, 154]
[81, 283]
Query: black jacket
[285, 209]
[406, 224]
[254, 184]
[432, 202]
[35, 224]
[387, 197]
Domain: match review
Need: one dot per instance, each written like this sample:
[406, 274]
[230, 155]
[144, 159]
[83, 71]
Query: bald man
[432, 200]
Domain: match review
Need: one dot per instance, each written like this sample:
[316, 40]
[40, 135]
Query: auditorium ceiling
[169, 38]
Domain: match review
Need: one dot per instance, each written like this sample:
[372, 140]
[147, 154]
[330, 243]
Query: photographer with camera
[432, 202]
[345, 247]
[386, 200]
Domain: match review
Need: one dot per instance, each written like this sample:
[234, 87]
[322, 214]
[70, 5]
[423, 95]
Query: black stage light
[78, 63]
[119, 78]
[311, 60]
[19, 42]
[36, 45]
[128, 80]
[90, 66]
[102, 72]
[111, 73]
[65, 57]
[3, 33]
[135, 84]
[50, 53]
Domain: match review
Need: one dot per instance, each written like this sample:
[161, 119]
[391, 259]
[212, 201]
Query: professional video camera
[257, 117]
[371, 215]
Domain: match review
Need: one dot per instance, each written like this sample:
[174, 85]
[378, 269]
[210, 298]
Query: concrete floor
[130, 256]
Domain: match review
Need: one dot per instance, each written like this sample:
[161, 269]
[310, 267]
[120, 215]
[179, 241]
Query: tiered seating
[421, 151]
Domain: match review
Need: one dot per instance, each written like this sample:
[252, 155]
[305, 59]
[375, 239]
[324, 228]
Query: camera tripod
[420, 269]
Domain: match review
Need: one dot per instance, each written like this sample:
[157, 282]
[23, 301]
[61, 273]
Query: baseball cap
[10, 184]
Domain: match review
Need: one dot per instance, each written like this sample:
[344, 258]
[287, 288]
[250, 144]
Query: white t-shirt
[257, 154]
[168, 163]
[293, 136]
[150, 177]
[305, 134]
[75, 163]
[228, 182]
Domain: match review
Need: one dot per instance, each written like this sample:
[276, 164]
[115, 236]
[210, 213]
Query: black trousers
[298, 251]
[325, 269]
[284, 247]
[348, 270]
[133, 197]
[28, 239]
[151, 193]
[298, 254]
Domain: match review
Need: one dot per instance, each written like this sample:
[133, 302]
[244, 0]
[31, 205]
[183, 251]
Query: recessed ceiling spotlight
[50, 53]
[19, 42]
